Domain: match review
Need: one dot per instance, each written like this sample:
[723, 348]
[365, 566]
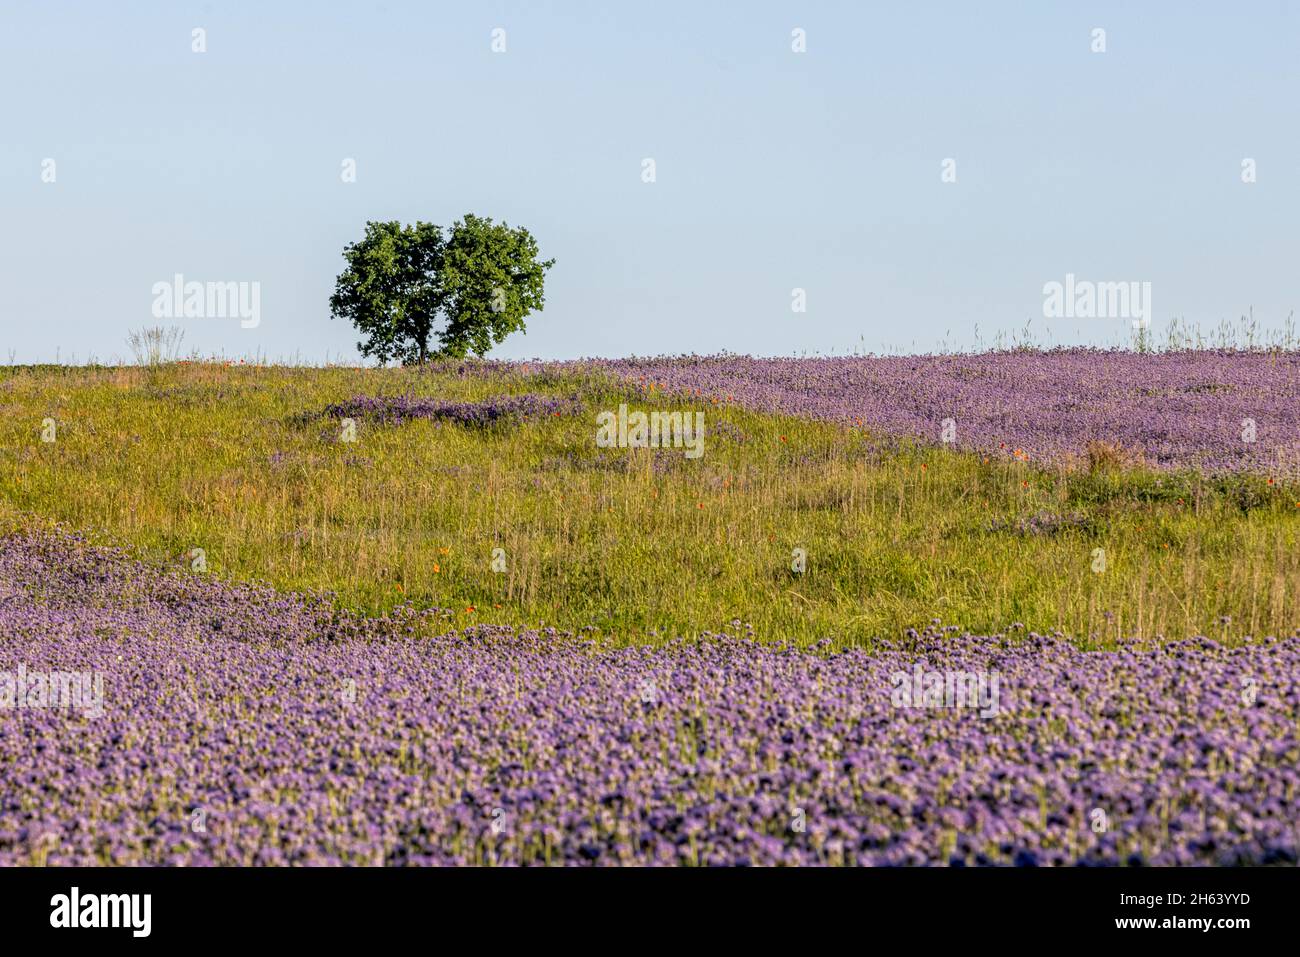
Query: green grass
[229, 459]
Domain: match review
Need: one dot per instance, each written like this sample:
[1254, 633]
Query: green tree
[480, 279]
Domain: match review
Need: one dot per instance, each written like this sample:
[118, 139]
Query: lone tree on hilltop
[479, 281]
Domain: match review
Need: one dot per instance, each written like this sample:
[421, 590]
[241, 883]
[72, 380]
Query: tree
[481, 280]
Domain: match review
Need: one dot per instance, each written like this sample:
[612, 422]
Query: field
[400, 616]
[998, 527]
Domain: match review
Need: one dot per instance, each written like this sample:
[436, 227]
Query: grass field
[635, 545]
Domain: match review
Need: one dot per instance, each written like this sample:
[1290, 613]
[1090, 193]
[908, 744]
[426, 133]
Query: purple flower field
[402, 408]
[238, 725]
[1176, 410]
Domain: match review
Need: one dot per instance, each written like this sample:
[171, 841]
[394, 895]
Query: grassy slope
[218, 457]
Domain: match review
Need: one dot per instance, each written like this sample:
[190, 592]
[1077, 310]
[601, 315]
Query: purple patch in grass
[245, 726]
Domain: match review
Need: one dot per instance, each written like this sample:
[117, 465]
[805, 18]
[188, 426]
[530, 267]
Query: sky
[127, 157]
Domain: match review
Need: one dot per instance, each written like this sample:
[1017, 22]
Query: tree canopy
[418, 291]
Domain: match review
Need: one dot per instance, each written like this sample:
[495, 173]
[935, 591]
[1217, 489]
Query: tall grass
[637, 545]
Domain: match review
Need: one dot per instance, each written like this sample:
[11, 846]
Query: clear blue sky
[775, 170]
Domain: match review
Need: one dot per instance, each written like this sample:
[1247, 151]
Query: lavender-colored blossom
[1215, 410]
[245, 726]
[402, 408]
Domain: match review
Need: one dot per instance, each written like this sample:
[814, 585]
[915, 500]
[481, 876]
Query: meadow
[1017, 608]
[240, 725]
[525, 521]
